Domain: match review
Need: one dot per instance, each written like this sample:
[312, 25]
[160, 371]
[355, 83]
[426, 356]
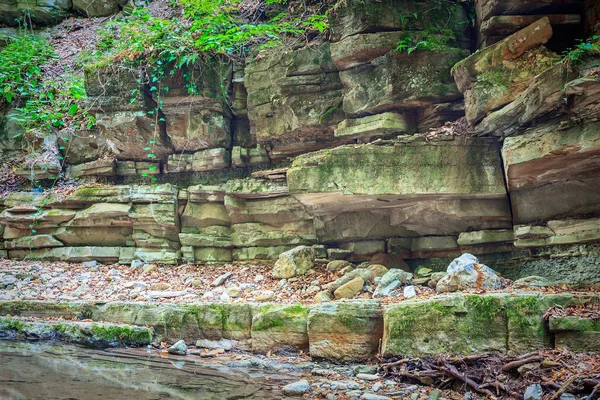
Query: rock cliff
[349, 144]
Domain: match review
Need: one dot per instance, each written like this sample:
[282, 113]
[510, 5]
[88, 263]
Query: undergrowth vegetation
[226, 28]
[39, 106]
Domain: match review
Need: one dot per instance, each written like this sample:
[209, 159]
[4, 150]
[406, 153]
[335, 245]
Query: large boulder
[466, 273]
[294, 262]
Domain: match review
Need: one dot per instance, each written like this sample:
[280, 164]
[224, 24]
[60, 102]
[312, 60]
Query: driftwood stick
[518, 363]
[454, 372]
[563, 388]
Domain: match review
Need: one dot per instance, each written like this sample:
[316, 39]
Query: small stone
[531, 282]
[420, 281]
[224, 344]
[409, 291]
[294, 262]
[322, 296]
[299, 387]
[349, 289]
[196, 282]
[90, 264]
[337, 265]
[114, 271]
[259, 278]
[233, 292]
[390, 281]
[266, 295]
[435, 394]
[149, 268]
[178, 348]
[435, 278]
[160, 286]
[221, 279]
[347, 269]
[523, 369]
[322, 372]
[377, 270]
[371, 396]
[377, 387]
[137, 264]
[533, 392]
[368, 377]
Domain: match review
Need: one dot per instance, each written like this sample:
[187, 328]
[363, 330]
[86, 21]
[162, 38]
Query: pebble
[435, 394]
[299, 387]
[365, 369]
[259, 278]
[266, 295]
[178, 348]
[343, 385]
[322, 372]
[368, 377]
[160, 286]
[137, 264]
[377, 387]
[149, 268]
[371, 396]
[90, 264]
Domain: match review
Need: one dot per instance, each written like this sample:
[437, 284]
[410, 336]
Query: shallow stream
[60, 371]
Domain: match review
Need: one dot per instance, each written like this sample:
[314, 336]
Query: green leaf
[144, 174]
[147, 148]
[73, 109]
[152, 141]
[150, 155]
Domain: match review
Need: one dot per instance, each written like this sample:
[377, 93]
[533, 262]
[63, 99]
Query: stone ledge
[346, 330]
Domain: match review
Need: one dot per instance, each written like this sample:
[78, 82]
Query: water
[56, 371]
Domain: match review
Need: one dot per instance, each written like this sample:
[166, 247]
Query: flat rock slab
[93, 334]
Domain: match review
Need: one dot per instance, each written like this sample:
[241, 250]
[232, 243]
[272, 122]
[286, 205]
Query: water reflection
[51, 371]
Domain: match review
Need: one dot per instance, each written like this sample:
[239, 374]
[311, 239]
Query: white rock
[368, 377]
[215, 344]
[409, 291]
[178, 348]
[299, 387]
[465, 272]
